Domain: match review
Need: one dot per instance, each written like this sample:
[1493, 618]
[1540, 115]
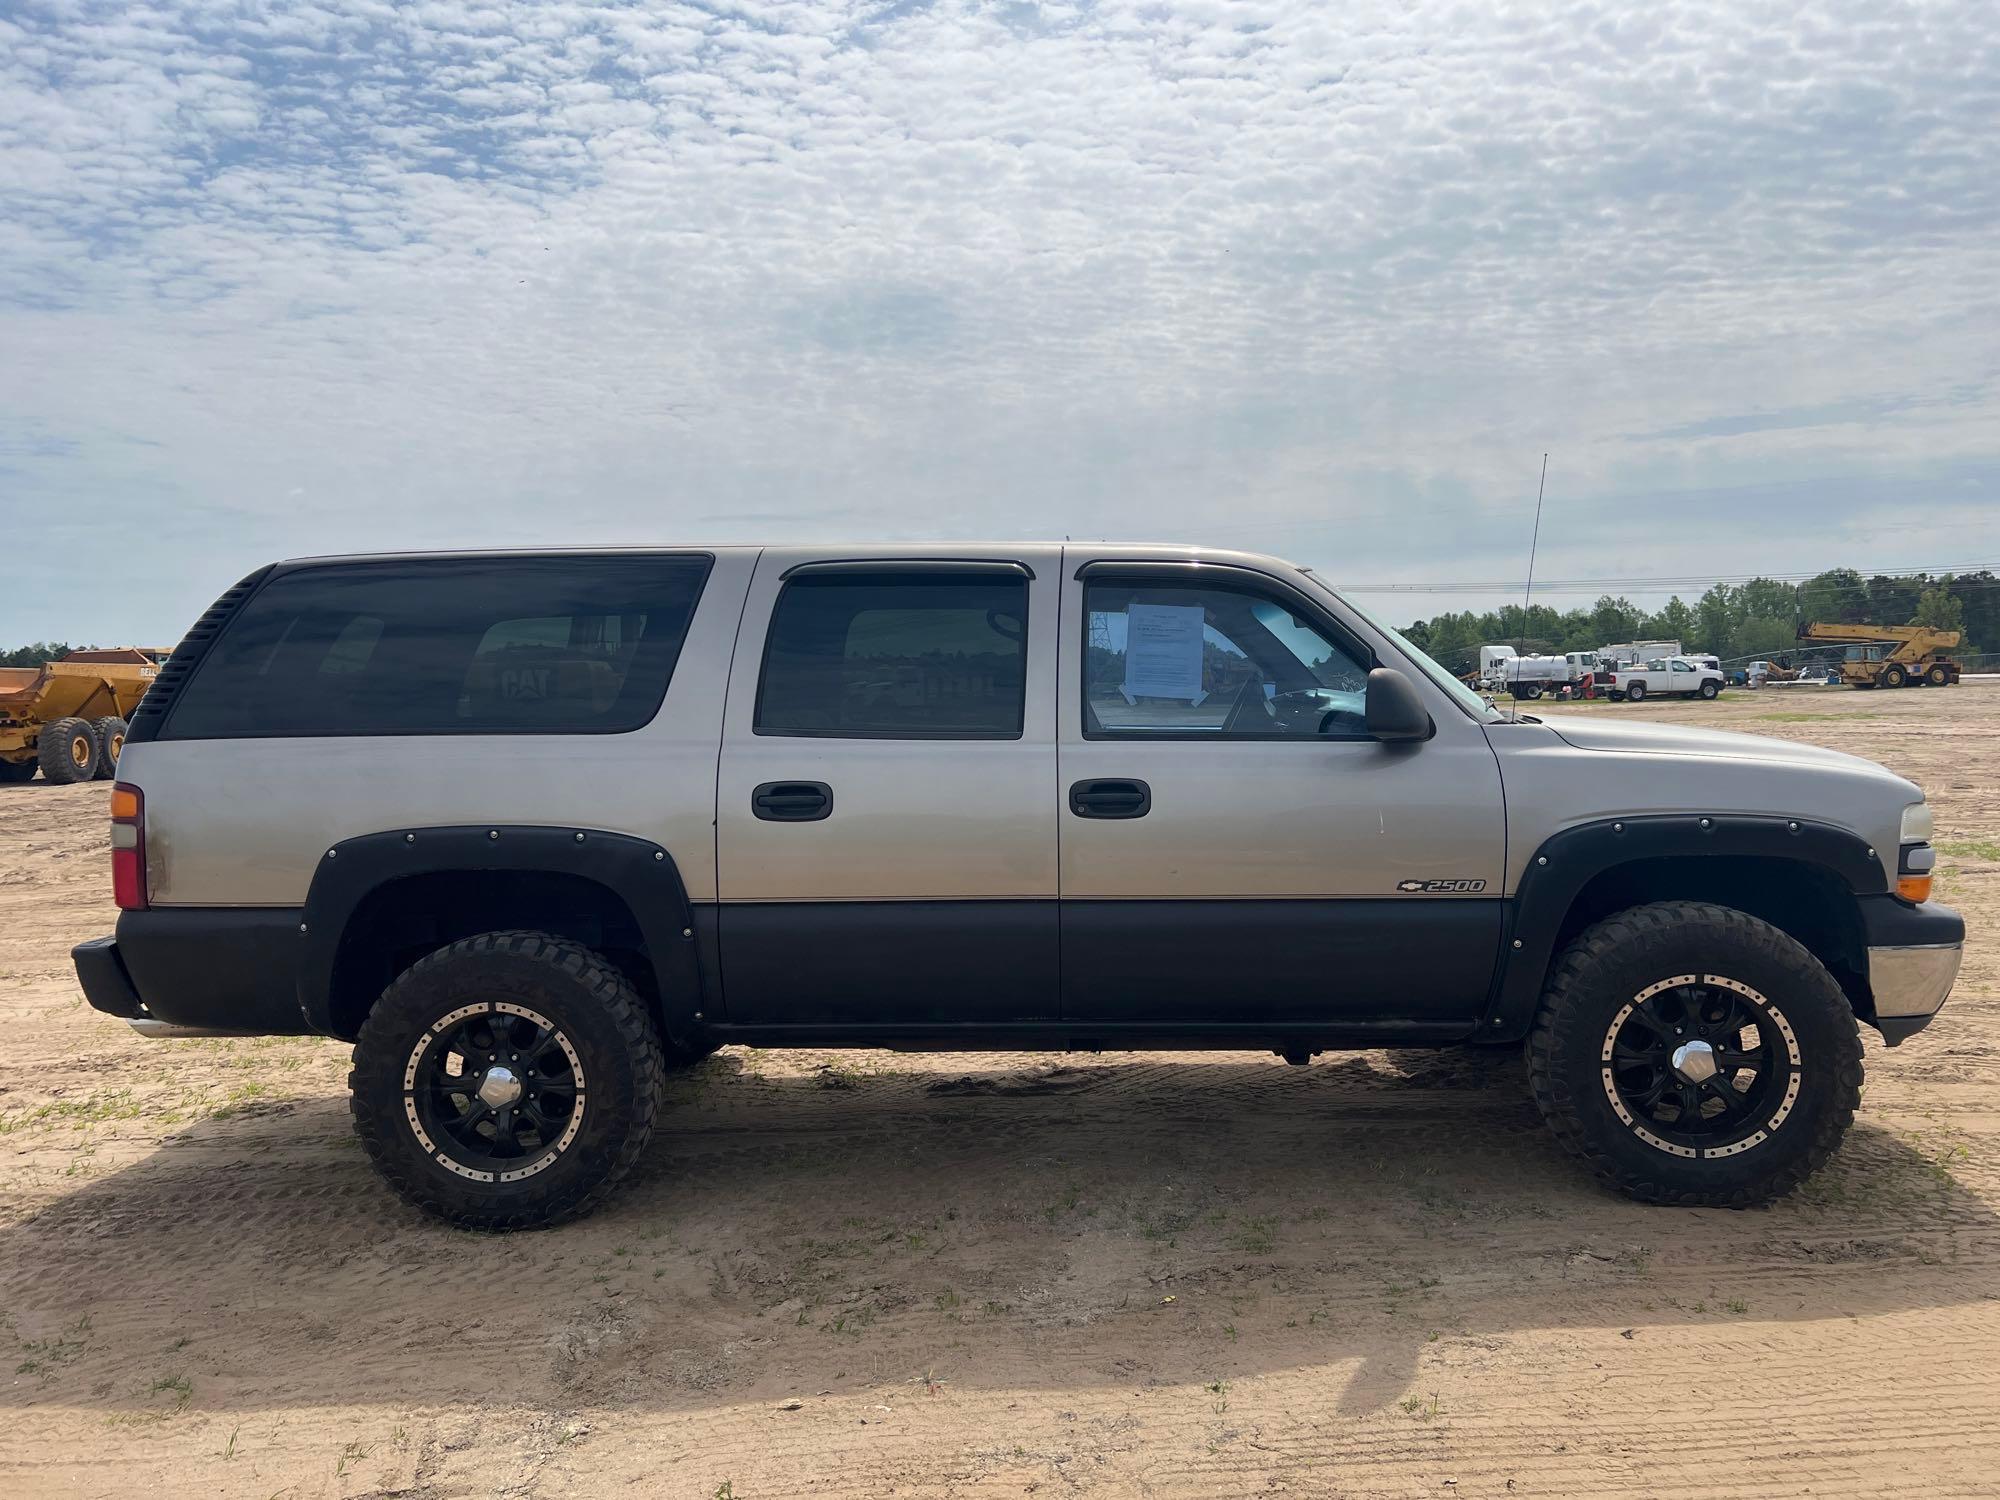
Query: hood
[1624, 737]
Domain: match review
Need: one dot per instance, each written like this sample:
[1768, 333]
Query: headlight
[1917, 824]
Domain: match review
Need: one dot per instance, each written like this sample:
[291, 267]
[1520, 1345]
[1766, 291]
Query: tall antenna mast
[1534, 542]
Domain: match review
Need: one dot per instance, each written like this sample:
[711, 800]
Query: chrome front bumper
[1910, 984]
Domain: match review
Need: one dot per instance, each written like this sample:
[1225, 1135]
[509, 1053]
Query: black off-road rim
[494, 1092]
[1701, 1066]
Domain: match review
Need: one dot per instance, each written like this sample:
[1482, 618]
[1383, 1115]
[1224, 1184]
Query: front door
[885, 833]
[1235, 848]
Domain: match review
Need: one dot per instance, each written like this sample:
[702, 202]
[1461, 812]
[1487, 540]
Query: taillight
[128, 847]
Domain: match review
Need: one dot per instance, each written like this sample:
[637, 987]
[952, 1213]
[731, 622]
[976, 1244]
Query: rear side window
[516, 645]
[896, 656]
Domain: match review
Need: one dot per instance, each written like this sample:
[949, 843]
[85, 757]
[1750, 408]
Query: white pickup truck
[1679, 675]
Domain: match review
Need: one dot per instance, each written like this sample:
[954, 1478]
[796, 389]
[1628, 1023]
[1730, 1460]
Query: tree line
[1734, 621]
[34, 655]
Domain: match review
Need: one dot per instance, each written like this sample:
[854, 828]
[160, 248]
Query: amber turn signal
[1914, 887]
[124, 802]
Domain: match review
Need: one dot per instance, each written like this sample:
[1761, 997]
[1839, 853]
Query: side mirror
[1395, 712]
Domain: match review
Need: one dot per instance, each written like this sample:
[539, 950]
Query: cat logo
[1435, 887]
[524, 682]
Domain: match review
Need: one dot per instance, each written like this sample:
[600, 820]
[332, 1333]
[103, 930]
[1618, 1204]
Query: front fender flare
[1570, 860]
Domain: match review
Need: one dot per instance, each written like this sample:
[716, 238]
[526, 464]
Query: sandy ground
[869, 1274]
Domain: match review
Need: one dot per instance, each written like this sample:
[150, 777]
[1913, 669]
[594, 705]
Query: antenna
[1534, 542]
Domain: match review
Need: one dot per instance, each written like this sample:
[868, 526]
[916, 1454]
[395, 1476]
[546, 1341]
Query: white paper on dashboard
[1163, 651]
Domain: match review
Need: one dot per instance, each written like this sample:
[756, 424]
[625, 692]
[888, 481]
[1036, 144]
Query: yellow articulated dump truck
[1891, 656]
[67, 718]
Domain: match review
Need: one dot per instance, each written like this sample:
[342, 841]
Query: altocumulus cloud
[1322, 279]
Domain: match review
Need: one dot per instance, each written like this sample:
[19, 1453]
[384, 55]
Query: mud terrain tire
[1795, 1107]
[549, 999]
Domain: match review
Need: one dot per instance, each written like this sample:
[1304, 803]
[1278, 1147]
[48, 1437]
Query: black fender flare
[1568, 861]
[640, 873]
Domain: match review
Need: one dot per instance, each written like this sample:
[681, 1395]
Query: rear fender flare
[640, 873]
[1570, 860]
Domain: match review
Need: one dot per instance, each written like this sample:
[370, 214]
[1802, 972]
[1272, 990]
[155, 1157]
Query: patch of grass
[832, 1073]
[1254, 1236]
[239, 1098]
[852, 1321]
[46, 1356]
[1737, 1305]
[1982, 849]
[1067, 1204]
[179, 1387]
[94, 1109]
[352, 1453]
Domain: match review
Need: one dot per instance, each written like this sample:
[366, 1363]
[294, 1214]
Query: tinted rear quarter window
[519, 645]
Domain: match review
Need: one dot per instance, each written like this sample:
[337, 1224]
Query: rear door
[1235, 848]
[886, 823]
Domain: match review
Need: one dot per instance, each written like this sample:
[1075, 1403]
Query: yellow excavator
[1891, 656]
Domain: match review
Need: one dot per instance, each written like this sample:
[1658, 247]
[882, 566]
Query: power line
[1912, 574]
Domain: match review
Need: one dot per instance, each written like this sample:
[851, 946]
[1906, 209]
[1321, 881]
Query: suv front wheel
[1692, 1054]
[508, 1081]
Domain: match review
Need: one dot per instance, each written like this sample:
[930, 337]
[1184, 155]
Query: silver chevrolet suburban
[530, 828]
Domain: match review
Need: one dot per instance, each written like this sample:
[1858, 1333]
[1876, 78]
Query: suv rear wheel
[1636, 692]
[1692, 1054]
[508, 1081]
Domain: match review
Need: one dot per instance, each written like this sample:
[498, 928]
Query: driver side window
[1166, 661]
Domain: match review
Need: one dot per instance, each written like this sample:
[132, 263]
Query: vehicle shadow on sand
[1016, 1223]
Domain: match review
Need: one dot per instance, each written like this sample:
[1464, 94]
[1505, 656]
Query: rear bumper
[1913, 958]
[198, 972]
[105, 983]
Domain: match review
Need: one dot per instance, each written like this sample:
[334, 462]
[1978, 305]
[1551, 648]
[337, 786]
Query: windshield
[1464, 696]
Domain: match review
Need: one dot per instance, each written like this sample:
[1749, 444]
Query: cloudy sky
[1324, 280]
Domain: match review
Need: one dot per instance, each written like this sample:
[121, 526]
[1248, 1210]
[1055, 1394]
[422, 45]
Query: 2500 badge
[1435, 887]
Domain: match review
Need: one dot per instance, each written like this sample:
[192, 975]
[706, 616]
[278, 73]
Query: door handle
[792, 801]
[1119, 797]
